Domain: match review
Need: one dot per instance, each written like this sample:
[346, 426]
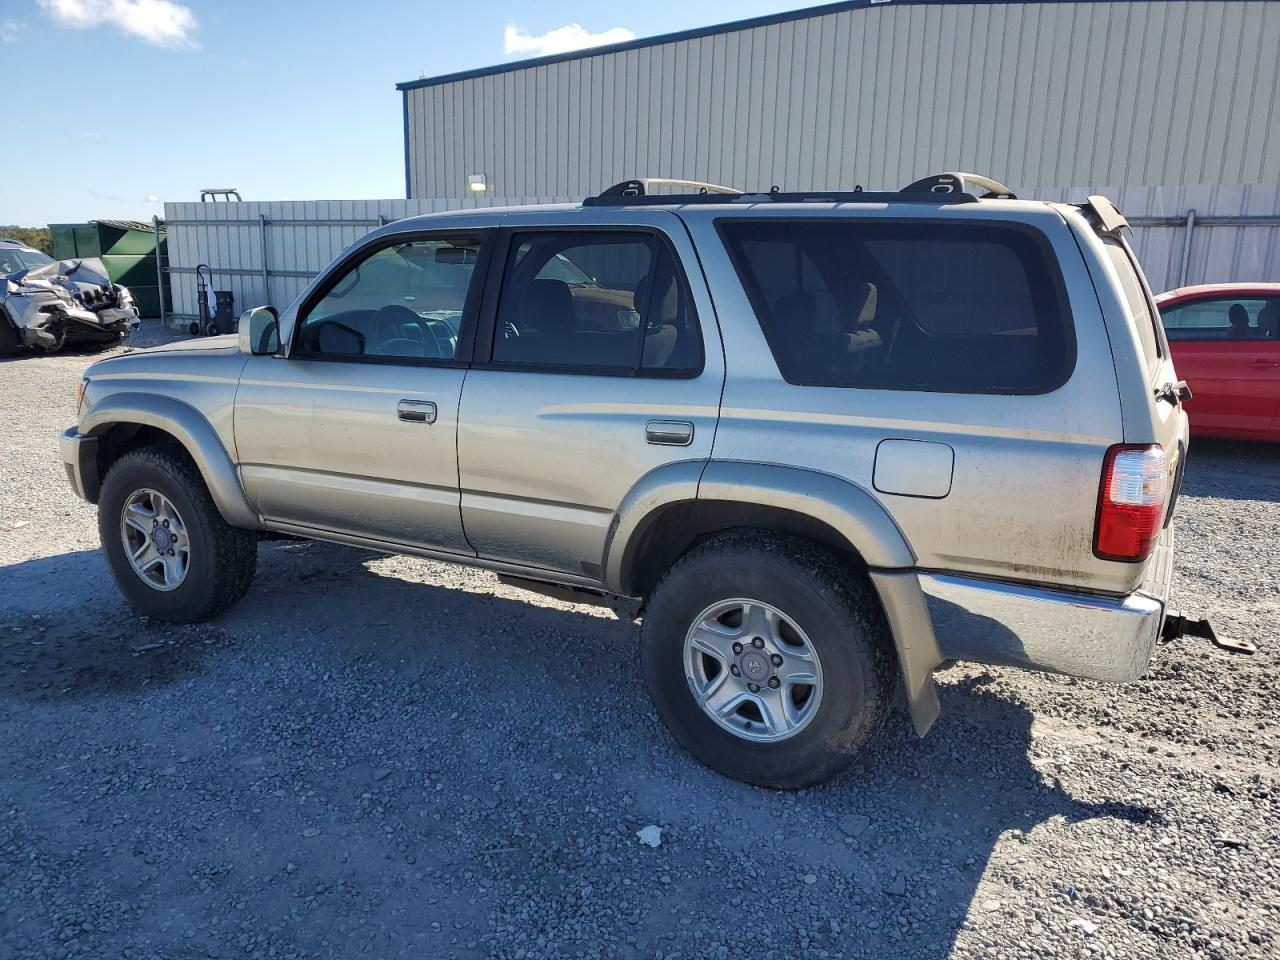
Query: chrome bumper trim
[1099, 638]
[80, 458]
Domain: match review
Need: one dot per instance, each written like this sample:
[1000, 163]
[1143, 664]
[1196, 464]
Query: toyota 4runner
[821, 443]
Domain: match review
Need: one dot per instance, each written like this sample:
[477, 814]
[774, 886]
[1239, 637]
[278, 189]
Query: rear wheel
[768, 658]
[170, 551]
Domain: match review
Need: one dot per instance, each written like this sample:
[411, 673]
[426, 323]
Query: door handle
[669, 433]
[1263, 364]
[417, 411]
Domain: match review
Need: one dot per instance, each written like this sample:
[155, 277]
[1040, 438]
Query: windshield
[13, 259]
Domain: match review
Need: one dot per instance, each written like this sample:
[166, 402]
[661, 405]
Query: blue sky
[122, 104]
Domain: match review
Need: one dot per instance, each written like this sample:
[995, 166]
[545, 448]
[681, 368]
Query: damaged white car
[47, 303]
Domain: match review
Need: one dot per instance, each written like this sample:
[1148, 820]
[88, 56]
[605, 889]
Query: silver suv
[823, 444]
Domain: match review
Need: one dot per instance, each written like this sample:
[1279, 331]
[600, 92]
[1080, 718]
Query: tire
[825, 603]
[220, 560]
[8, 337]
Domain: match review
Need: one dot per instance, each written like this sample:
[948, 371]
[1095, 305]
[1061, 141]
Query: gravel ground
[388, 757]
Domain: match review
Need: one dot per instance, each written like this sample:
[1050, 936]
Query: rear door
[1227, 350]
[598, 362]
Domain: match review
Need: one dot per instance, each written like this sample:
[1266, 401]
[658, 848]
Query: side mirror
[260, 331]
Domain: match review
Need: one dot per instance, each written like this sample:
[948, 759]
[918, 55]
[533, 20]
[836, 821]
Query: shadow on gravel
[1233, 470]
[513, 818]
[97, 646]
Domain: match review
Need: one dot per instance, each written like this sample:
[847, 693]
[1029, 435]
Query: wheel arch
[675, 507]
[121, 422]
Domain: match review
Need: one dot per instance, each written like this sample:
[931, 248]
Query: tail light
[1135, 482]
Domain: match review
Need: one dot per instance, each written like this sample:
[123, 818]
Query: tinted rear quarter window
[964, 308]
[1142, 314]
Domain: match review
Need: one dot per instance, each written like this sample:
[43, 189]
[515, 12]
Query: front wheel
[170, 551]
[768, 659]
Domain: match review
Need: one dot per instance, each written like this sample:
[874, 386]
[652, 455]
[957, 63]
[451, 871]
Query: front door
[1228, 351]
[602, 365]
[355, 432]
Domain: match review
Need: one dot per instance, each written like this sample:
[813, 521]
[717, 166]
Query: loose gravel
[387, 757]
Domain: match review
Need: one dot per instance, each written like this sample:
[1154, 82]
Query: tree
[37, 237]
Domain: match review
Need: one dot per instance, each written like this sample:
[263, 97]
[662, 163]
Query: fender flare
[856, 515]
[847, 508]
[842, 505]
[196, 435]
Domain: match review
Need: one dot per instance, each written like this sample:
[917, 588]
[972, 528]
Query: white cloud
[572, 36]
[86, 135]
[161, 23]
[152, 198]
[9, 30]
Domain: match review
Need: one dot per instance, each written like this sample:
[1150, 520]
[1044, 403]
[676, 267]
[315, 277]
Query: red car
[1225, 339]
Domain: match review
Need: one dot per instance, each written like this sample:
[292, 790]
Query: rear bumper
[80, 459]
[1081, 635]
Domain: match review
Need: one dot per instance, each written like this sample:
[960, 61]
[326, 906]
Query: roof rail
[640, 187]
[948, 183]
[12, 240]
[636, 193]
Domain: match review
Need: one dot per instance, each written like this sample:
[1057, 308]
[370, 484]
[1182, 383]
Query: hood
[83, 281]
[228, 341]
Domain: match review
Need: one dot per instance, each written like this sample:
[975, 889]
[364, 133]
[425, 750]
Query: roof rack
[11, 240]
[640, 187]
[949, 183]
[942, 188]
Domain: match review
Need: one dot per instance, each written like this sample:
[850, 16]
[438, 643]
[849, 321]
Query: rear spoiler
[1110, 221]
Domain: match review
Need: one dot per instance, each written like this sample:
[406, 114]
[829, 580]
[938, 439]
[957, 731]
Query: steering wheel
[396, 322]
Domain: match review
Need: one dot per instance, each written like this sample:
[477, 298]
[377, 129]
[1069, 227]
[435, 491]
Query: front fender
[195, 434]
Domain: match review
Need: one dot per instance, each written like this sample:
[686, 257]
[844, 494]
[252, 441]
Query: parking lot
[390, 757]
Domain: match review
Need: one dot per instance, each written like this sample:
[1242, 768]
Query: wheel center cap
[755, 665]
[162, 538]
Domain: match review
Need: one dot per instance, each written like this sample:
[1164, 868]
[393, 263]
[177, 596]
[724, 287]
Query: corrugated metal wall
[303, 237]
[1132, 93]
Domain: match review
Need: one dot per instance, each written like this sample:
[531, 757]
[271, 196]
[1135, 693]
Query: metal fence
[266, 253]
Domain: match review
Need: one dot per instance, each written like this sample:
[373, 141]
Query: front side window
[1230, 318]
[404, 301]
[598, 302]
[947, 307]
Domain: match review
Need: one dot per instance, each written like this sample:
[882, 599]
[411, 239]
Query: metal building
[1048, 97]
[1171, 108]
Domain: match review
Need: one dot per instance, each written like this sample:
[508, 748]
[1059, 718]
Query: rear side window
[1141, 312]
[598, 302]
[960, 308]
